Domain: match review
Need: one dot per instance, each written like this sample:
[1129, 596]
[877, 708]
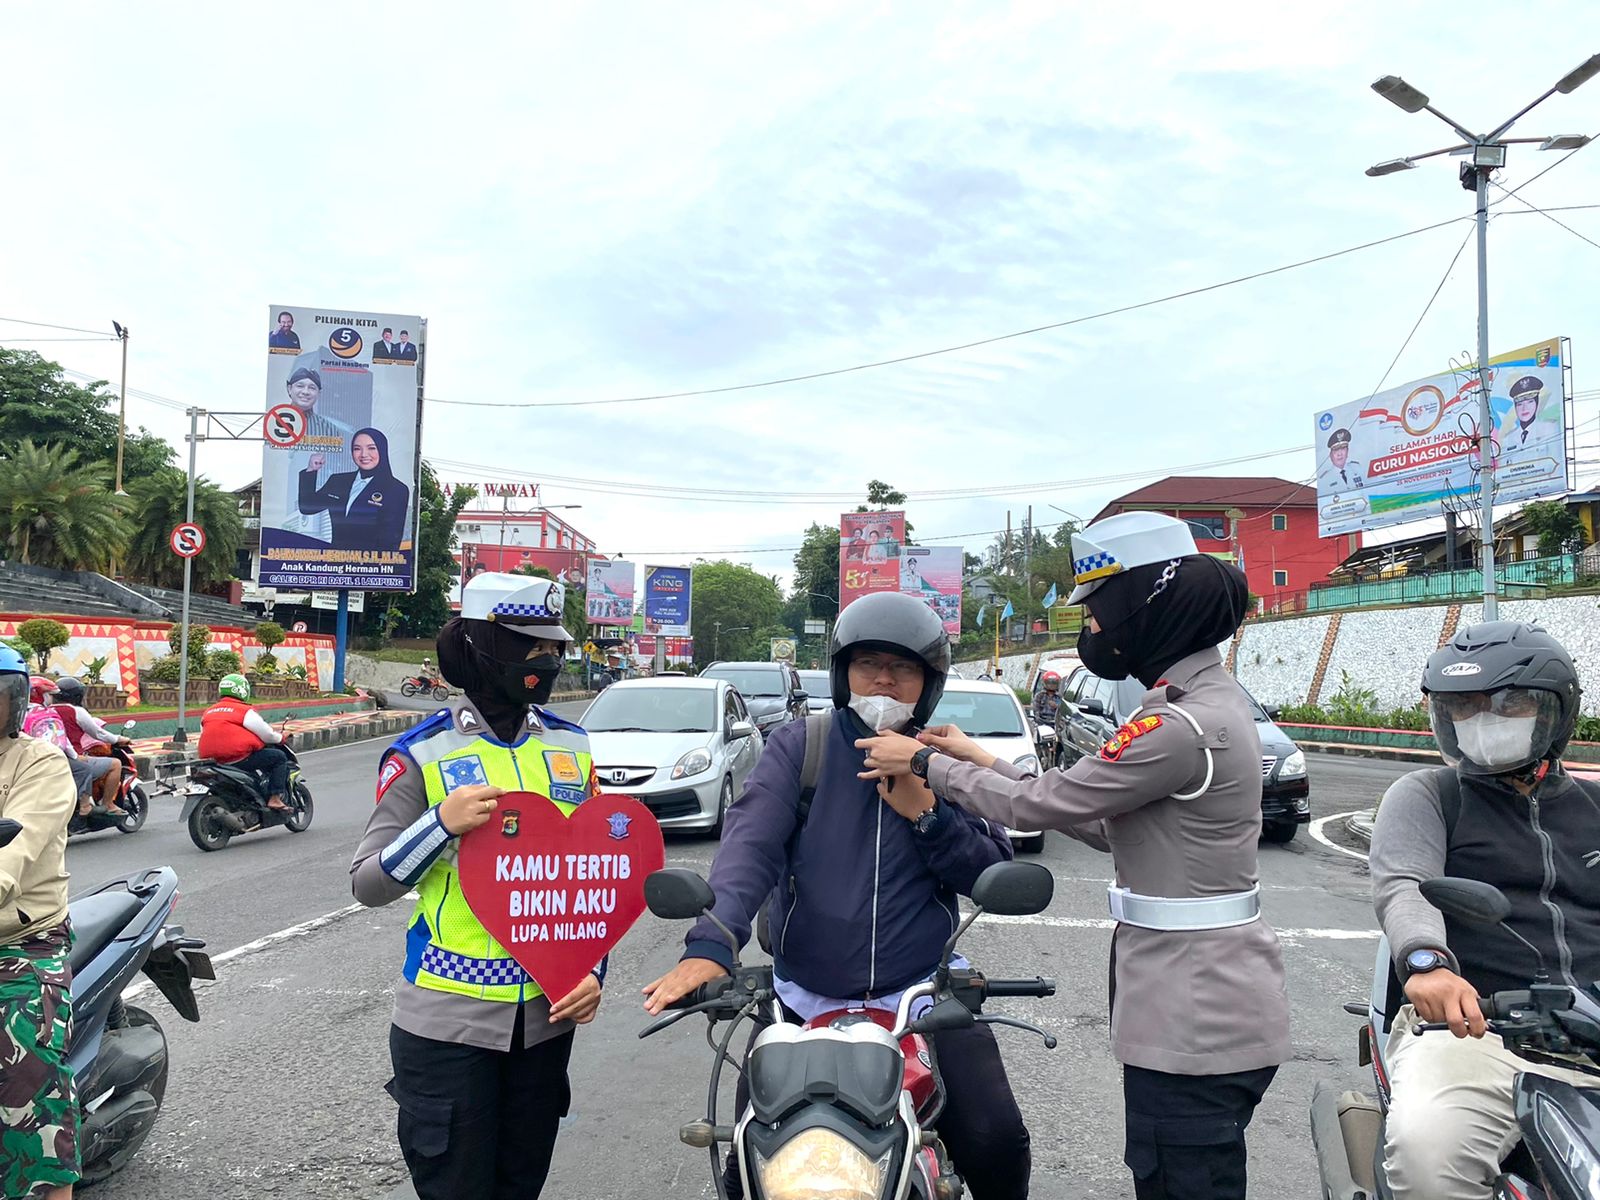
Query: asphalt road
[278, 1090]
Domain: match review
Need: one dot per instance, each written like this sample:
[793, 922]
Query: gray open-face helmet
[1502, 697]
[899, 624]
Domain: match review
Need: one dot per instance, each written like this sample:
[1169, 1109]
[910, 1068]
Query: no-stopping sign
[187, 540]
[284, 425]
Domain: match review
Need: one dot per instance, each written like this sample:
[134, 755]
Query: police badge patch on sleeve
[1126, 736]
[393, 767]
[462, 772]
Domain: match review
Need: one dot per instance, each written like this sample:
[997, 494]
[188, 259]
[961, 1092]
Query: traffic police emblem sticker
[462, 772]
[619, 823]
[510, 822]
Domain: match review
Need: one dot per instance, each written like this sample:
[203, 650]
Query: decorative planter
[164, 694]
[272, 690]
[103, 697]
[202, 691]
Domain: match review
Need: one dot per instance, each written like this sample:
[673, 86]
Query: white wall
[1384, 650]
[1277, 660]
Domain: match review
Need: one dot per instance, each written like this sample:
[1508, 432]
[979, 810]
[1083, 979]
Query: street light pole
[122, 404]
[1488, 153]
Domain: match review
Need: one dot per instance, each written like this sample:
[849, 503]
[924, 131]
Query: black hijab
[1154, 616]
[381, 472]
[470, 654]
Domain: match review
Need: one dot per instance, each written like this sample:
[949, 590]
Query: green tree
[57, 510]
[37, 402]
[743, 601]
[424, 612]
[269, 634]
[882, 496]
[1558, 528]
[44, 636]
[816, 570]
[160, 502]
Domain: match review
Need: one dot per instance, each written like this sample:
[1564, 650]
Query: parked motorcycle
[1560, 1125]
[224, 800]
[131, 798]
[846, 1104]
[423, 685]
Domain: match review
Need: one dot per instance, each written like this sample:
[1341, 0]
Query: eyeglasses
[872, 665]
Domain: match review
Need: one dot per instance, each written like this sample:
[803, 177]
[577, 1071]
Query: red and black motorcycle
[424, 685]
[132, 799]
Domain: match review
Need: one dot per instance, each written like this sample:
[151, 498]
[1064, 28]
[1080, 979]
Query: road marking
[1316, 832]
[1338, 935]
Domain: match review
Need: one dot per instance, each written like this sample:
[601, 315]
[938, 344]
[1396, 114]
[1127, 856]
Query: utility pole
[180, 736]
[1027, 577]
[122, 406]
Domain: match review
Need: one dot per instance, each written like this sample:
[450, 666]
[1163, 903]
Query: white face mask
[882, 713]
[1494, 741]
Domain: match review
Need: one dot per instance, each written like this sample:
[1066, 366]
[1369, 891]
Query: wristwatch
[919, 761]
[926, 821]
[1420, 962]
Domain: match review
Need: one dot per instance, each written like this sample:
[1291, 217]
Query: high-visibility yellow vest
[447, 949]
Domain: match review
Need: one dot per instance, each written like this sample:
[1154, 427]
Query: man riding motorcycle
[84, 729]
[863, 890]
[233, 732]
[43, 722]
[1048, 702]
[1503, 702]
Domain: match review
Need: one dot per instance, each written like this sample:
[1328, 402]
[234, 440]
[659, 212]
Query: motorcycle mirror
[1013, 889]
[127, 726]
[8, 830]
[1469, 900]
[944, 1016]
[677, 894]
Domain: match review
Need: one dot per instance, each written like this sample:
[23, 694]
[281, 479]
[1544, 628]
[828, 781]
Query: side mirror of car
[1274, 713]
[741, 729]
[1093, 707]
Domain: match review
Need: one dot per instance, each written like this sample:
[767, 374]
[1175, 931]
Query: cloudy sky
[590, 202]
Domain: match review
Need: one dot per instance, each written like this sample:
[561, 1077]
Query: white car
[819, 691]
[990, 714]
[682, 747]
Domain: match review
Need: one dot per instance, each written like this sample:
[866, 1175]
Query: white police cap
[1122, 542]
[524, 604]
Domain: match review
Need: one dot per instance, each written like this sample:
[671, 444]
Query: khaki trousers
[1450, 1113]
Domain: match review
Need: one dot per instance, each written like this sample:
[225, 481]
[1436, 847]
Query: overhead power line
[47, 325]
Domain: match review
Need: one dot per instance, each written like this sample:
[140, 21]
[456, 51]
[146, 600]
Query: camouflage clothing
[38, 1110]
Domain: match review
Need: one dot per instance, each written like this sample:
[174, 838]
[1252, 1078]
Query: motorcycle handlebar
[1038, 987]
[1501, 1005]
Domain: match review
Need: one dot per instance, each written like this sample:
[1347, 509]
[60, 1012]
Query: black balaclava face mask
[491, 665]
[1153, 616]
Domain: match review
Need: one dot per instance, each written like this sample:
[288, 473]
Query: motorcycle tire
[441, 693]
[408, 689]
[138, 805]
[97, 1170]
[204, 830]
[304, 809]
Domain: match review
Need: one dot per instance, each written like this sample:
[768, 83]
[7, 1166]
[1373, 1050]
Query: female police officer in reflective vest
[480, 1053]
[1200, 1014]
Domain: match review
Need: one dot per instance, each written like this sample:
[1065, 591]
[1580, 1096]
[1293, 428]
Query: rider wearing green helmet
[233, 732]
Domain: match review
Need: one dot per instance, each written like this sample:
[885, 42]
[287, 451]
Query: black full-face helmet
[1502, 697]
[898, 624]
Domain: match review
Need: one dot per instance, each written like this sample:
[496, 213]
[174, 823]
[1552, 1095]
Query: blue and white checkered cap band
[1094, 562]
[480, 972]
[524, 610]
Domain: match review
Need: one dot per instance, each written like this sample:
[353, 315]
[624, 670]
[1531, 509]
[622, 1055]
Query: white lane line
[272, 939]
[1316, 832]
[1338, 935]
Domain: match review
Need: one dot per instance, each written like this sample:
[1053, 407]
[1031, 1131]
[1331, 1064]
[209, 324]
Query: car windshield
[751, 681]
[652, 710]
[815, 682]
[979, 714]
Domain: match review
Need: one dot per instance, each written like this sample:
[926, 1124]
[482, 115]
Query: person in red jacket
[232, 732]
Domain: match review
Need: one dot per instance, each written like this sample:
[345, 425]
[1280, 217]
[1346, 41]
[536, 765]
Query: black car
[1092, 709]
[771, 690]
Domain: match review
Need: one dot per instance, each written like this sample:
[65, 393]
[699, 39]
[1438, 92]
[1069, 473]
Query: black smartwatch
[919, 761]
[1420, 962]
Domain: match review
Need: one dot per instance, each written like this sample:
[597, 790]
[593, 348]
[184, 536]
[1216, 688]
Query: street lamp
[716, 647]
[1488, 153]
[122, 404]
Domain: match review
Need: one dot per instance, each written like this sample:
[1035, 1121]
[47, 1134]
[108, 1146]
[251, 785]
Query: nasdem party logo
[344, 342]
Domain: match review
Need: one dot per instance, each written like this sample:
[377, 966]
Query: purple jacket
[864, 904]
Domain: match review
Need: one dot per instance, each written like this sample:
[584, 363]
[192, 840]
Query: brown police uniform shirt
[1206, 1002]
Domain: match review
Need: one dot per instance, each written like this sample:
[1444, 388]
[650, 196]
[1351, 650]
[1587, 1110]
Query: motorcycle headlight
[1294, 766]
[1028, 763]
[692, 763]
[819, 1164]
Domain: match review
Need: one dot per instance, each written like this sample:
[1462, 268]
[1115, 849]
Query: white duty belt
[1185, 915]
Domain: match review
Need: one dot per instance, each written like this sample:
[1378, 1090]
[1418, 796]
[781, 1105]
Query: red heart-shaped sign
[559, 892]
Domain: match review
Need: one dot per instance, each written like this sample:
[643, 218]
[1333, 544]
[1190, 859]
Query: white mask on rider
[882, 714]
[1492, 741]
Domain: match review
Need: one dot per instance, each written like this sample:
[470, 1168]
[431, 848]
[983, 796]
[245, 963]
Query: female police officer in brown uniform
[1200, 1014]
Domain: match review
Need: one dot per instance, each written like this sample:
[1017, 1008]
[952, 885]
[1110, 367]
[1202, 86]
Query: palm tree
[57, 510]
[160, 502]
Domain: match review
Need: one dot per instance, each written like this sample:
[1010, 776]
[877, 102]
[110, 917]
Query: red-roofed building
[1267, 525]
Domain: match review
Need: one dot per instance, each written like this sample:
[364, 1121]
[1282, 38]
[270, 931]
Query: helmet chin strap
[1531, 776]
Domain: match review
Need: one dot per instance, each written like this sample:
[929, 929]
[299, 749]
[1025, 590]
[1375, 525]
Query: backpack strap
[817, 728]
[1449, 800]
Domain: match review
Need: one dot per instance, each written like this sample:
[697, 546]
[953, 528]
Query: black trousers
[1186, 1132]
[981, 1124]
[479, 1123]
[273, 763]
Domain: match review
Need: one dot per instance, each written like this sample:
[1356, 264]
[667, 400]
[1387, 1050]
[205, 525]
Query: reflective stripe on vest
[447, 948]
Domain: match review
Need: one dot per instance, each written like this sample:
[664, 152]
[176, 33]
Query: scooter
[131, 798]
[224, 800]
[1560, 1144]
[846, 1104]
[118, 1052]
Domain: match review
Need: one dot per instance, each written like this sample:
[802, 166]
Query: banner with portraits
[339, 462]
[609, 596]
[869, 554]
[933, 575]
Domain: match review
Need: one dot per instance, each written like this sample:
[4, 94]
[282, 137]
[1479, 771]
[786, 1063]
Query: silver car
[682, 747]
[991, 715]
[819, 691]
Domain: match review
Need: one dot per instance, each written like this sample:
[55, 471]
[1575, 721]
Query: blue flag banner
[1050, 597]
[982, 613]
[1009, 612]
